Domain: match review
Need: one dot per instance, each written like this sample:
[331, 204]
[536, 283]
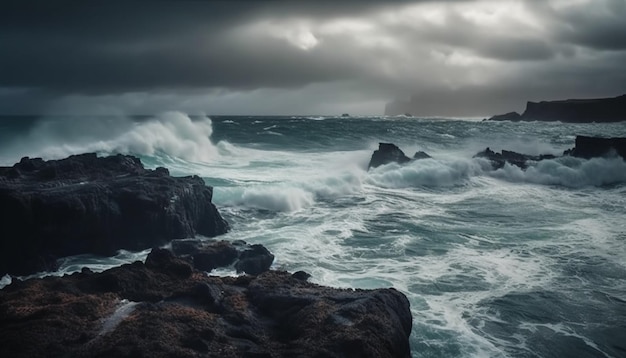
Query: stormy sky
[452, 58]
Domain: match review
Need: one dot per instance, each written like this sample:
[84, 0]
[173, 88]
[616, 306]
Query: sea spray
[496, 263]
[173, 133]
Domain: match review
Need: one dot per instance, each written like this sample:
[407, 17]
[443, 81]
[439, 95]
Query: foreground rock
[208, 255]
[572, 111]
[390, 153]
[166, 308]
[85, 204]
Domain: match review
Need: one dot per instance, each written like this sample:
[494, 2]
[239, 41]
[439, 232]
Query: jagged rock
[254, 260]
[208, 255]
[390, 153]
[590, 147]
[586, 147]
[421, 155]
[573, 111]
[387, 153]
[301, 275]
[149, 310]
[85, 204]
[506, 156]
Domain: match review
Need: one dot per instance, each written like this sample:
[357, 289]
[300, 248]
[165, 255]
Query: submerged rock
[164, 308]
[86, 204]
[421, 155]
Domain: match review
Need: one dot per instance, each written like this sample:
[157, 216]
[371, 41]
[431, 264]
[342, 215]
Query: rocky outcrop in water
[586, 147]
[506, 156]
[572, 111]
[85, 204]
[590, 147]
[166, 308]
[390, 153]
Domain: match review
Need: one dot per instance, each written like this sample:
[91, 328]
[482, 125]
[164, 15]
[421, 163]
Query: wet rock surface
[208, 255]
[585, 147]
[506, 156]
[387, 153]
[164, 307]
[390, 153]
[86, 204]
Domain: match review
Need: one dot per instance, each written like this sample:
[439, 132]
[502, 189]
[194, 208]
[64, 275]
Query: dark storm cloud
[375, 49]
[599, 25]
[104, 48]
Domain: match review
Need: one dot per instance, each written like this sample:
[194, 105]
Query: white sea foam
[425, 172]
[273, 198]
[5, 280]
[172, 133]
[568, 171]
[451, 233]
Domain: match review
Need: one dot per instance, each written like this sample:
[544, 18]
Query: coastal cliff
[86, 204]
[571, 111]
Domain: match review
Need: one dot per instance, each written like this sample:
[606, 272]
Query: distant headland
[571, 111]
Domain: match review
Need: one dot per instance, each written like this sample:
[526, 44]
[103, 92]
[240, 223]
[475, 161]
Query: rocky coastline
[168, 305]
[86, 204]
[585, 147]
[600, 110]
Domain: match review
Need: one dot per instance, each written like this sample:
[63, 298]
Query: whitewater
[495, 263]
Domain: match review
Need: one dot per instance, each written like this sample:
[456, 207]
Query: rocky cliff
[86, 204]
[572, 111]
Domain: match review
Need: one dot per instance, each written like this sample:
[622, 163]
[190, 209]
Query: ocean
[504, 263]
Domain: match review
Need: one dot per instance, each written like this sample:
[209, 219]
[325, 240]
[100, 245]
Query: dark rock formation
[421, 155]
[390, 153]
[165, 308]
[590, 147]
[506, 156]
[586, 147]
[86, 204]
[511, 116]
[387, 153]
[208, 255]
[572, 110]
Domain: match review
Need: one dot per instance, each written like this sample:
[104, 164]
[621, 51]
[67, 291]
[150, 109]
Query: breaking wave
[568, 171]
[172, 133]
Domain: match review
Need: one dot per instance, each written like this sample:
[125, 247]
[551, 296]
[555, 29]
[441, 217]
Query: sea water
[504, 263]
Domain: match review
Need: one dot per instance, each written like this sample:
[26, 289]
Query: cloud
[377, 50]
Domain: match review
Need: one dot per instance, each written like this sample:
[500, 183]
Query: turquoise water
[505, 263]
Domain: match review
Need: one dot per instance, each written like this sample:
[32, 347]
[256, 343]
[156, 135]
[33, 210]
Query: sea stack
[387, 153]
